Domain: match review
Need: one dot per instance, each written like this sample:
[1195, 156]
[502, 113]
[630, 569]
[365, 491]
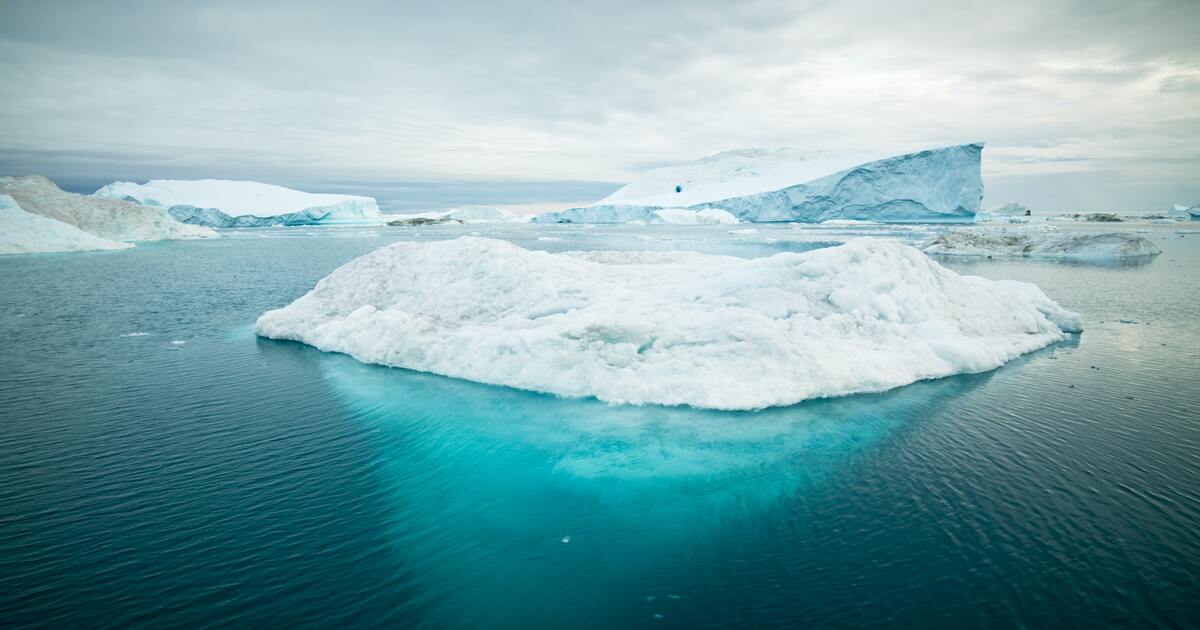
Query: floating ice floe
[671, 328]
[111, 219]
[225, 203]
[1047, 244]
[24, 232]
[942, 184]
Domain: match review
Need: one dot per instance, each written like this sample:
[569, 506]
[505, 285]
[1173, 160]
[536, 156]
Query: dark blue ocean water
[233, 481]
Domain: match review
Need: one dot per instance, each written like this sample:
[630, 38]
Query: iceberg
[24, 232]
[112, 219]
[1047, 244]
[224, 203]
[936, 185]
[671, 328]
[1184, 212]
[466, 216]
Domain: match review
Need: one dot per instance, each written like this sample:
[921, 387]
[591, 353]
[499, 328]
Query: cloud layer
[1083, 104]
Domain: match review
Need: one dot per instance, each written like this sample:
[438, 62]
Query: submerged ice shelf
[672, 328]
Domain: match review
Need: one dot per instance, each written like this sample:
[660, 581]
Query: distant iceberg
[1046, 244]
[928, 186]
[671, 328]
[225, 203]
[24, 232]
[467, 215]
[111, 219]
[1184, 212]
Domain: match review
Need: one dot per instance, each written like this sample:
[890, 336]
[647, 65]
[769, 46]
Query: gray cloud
[538, 92]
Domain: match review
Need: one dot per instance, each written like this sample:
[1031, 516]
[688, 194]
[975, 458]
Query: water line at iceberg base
[517, 505]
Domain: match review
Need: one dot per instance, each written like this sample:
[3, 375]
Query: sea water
[162, 466]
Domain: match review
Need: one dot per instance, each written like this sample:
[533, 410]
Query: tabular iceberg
[466, 215]
[23, 232]
[1047, 244]
[224, 203]
[113, 219]
[928, 186]
[671, 328]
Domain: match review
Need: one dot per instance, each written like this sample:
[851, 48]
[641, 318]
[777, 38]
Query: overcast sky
[1084, 105]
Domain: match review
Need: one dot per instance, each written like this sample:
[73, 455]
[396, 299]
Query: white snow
[1041, 243]
[242, 198]
[112, 219]
[23, 232]
[672, 328]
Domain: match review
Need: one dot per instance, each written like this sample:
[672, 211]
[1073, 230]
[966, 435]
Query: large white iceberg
[23, 232]
[672, 328]
[225, 203]
[942, 184]
[1046, 244]
[112, 219]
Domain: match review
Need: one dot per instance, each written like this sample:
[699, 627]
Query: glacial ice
[24, 232]
[467, 215]
[225, 203]
[1184, 212]
[112, 219]
[935, 185]
[671, 328]
[1042, 243]
[707, 216]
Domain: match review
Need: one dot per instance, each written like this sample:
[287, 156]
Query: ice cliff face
[224, 203]
[23, 232]
[672, 328]
[928, 186]
[112, 219]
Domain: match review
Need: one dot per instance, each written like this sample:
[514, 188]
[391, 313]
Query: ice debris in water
[1041, 243]
[672, 328]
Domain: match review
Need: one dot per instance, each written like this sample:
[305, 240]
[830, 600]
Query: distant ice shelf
[935, 185]
[225, 203]
[671, 328]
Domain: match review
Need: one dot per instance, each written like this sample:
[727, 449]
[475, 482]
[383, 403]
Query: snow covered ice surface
[225, 203]
[111, 219]
[942, 184]
[672, 328]
[1042, 243]
[23, 232]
